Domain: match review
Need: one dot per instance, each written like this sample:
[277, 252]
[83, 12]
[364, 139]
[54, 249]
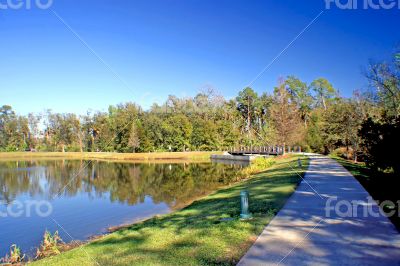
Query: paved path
[304, 233]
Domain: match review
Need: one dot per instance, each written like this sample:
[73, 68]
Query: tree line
[314, 116]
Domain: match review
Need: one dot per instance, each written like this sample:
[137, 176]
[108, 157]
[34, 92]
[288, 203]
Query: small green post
[244, 203]
[299, 162]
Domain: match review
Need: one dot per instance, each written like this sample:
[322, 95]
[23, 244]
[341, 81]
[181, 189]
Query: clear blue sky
[176, 47]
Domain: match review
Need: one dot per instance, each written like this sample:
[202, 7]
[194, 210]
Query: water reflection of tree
[17, 178]
[174, 184]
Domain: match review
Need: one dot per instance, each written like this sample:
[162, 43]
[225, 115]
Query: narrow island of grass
[207, 232]
[380, 185]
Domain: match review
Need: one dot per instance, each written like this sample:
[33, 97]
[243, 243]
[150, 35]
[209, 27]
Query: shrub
[380, 142]
[50, 246]
[15, 257]
[257, 165]
[343, 153]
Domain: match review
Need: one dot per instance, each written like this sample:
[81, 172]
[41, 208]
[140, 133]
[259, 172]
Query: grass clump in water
[14, 258]
[50, 246]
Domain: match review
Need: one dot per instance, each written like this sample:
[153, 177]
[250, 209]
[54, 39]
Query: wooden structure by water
[263, 150]
[247, 154]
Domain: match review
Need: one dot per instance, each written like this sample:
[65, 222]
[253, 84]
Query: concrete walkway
[305, 232]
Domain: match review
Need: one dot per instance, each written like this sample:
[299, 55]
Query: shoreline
[204, 217]
[109, 156]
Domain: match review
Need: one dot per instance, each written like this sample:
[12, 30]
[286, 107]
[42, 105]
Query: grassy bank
[381, 186]
[207, 232]
[107, 156]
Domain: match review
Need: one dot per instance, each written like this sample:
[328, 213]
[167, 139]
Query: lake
[80, 199]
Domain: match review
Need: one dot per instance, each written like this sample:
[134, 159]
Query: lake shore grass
[207, 232]
[136, 157]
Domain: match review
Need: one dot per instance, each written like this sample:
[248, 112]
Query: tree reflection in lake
[87, 197]
[174, 184]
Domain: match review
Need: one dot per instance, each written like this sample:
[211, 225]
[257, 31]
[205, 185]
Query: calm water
[86, 198]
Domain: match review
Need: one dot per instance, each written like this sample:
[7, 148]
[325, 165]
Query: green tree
[14, 130]
[177, 131]
[314, 138]
[300, 94]
[341, 124]
[65, 132]
[324, 92]
[247, 106]
[204, 135]
[134, 136]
